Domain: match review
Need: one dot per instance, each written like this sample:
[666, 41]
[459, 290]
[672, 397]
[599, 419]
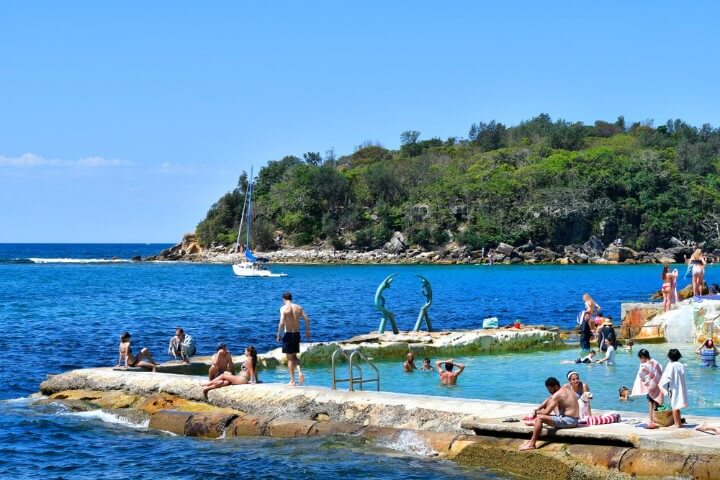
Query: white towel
[673, 380]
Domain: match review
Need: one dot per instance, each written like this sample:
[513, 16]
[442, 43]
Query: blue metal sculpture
[380, 305]
[427, 291]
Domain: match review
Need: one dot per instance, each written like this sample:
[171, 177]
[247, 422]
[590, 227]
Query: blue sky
[125, 121]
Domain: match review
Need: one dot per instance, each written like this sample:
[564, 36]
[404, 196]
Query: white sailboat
[250, 266]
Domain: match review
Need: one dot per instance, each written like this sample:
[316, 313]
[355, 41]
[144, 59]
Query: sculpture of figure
[380, 305]
[427, 291]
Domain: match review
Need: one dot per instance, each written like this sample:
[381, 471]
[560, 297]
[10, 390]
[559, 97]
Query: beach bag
[491, 322]
[663, 416]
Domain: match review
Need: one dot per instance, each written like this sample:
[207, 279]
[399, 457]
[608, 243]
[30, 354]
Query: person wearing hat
[221, 362]
[606, 332]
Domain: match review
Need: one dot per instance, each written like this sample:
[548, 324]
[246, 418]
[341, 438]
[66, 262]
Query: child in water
[586, 359]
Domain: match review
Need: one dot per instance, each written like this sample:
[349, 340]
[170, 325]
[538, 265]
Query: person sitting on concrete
[221, 362]
[247, 375]
[143, 359]
[426, 366]
[568, 411]
[445, 369]
[409, 364]
[182, 345]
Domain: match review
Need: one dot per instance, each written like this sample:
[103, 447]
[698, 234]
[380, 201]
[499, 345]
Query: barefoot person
[647, 382]
[248, 375]
[445, 369]
[290, 315]
[697, 262]
[143, 359]
[182, 345]
[221, 362]
[562, 399]
[672, 383]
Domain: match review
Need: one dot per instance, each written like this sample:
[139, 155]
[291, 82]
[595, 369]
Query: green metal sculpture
[427, 291]
[380, 305]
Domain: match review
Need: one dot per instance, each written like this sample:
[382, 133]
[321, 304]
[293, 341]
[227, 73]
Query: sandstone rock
[545, 255]
[497, 257]
[289, 428]
[397, 243]
[170, 421]
[504, 249]
[593, 247]
[578, 257]
[663, 257]
[615, 253]
[207, 425]
[247, 426]
[528, 247]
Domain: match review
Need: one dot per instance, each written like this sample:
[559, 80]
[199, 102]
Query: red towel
[602, 419]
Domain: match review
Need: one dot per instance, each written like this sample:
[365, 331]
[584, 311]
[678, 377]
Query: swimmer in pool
[409, 364]
[445, 369]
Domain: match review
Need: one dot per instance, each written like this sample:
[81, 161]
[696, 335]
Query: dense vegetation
[555, 183]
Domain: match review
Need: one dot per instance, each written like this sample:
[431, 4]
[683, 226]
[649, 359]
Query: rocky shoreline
[396, 251]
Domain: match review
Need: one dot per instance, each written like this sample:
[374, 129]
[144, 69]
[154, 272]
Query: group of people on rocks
[222, 370]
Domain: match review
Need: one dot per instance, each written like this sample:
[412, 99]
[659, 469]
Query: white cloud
[30, 160]
[167, 168]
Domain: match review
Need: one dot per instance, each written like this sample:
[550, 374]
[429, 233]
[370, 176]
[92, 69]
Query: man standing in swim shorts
[290, 315]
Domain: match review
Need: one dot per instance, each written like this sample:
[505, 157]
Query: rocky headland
[594, 251]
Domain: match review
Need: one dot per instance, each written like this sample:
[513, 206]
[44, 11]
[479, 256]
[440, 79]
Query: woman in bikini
[593, 309]
[143, 359]
[247, 375]
[698, 263]
[666, 288]
[582, 393]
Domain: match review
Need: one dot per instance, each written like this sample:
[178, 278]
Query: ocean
[64, 307]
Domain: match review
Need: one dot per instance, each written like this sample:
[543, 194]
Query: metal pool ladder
[352, 379]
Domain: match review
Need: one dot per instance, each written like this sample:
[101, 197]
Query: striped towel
[602, 419]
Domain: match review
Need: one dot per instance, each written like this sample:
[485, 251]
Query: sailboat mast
[242, 219]
[249, 211]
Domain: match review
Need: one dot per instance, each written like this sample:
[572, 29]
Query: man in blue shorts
[562, 399]
[290, 315]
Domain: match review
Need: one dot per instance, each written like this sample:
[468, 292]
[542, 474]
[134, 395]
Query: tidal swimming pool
[520, 377]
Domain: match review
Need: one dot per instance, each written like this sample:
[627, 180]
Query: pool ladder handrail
[353, 380]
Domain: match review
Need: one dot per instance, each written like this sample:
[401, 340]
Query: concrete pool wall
[379, 346]
[472, 432]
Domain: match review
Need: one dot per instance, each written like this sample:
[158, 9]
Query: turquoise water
[520, 377]
[68, 313]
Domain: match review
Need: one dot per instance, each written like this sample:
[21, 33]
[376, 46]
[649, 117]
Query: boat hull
[247, 269]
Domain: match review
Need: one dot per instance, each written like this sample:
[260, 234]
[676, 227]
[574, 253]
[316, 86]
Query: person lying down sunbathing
[707, 428]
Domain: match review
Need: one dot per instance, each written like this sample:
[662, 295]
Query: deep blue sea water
[64, 307]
